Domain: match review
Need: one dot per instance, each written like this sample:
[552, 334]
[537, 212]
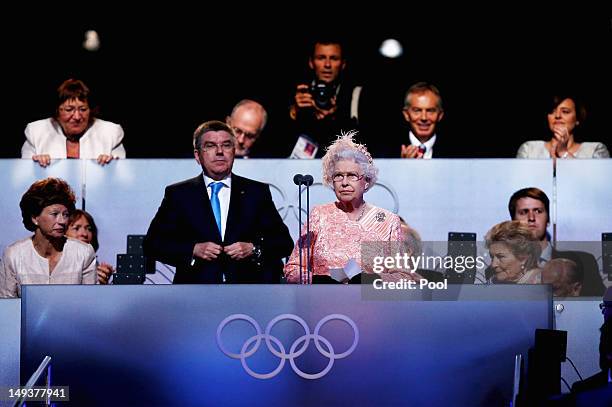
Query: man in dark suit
[219, 227]
[532, 207]
[602, 379]
[423, 111]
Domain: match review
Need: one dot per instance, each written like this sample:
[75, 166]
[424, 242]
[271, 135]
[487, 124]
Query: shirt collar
[546, 254]
[227, 181]
[416, 142]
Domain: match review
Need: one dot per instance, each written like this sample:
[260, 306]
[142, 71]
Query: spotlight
[391, 48]
[92, 41]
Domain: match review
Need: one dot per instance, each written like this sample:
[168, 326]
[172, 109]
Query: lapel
[201, 212]
[237, 196]
[438, 148]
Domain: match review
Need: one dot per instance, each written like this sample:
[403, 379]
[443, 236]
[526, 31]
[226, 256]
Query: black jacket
[185, 217]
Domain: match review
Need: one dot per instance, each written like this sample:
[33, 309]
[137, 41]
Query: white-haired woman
[339, 229]
[514, 253]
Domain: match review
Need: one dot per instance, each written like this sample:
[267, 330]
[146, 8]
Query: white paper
[338, 275]
[304, 149]
[350, 270]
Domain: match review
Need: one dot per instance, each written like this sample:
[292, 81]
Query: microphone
[307, 180]
[298, 179]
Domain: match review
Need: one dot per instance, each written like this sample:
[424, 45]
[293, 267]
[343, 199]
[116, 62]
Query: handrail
[518, 369]
[45, 364]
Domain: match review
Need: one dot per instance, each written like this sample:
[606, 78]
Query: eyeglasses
[225, 146]
[240, 132]
[351, 176]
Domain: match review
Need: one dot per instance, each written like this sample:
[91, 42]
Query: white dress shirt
[224, 198]
[429, 144]
[546, 255]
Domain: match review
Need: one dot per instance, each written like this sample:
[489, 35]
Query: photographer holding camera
[327, 104]
[320, 96]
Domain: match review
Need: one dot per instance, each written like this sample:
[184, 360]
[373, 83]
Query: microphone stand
[298, 179]
[308, 180]
[308, 264]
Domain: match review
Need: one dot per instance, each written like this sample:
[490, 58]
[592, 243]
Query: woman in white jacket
[565, 115]
[73, 131]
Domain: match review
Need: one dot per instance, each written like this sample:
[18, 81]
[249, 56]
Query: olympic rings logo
[294, 352]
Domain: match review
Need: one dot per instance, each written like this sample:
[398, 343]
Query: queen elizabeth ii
[339, 230]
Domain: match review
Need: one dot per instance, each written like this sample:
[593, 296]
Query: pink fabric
[335, 238]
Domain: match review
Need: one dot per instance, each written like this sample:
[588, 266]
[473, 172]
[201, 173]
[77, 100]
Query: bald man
[248, 119]
[565, 277]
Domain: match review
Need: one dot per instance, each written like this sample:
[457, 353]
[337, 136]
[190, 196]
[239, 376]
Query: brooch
[380, 216]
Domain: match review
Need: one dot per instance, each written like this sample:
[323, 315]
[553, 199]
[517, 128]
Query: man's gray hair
[212, 125]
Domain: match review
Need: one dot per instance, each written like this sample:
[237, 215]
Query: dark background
[160, 74]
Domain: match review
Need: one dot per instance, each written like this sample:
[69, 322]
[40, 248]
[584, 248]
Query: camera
[322, 93]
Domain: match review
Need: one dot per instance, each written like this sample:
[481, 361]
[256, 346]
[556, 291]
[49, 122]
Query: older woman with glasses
[73, 131]
[342, 229]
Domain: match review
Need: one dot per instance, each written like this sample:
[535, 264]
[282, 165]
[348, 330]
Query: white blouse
[21, 264]
[537, 149]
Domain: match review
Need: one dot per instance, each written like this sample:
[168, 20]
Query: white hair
[345, 148]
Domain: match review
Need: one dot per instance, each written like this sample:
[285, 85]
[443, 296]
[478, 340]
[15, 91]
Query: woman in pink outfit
[339, 229]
